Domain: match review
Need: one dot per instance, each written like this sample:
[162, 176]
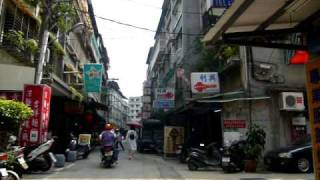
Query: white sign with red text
[205, 82]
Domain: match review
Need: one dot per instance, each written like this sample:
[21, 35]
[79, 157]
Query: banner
[173, 137]
[206, 82]
[92, 77]
[34, 130]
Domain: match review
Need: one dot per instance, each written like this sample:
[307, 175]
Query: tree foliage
[213, 58]
[14, 111]
[255, 142]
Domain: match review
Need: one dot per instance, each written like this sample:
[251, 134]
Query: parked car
[151, 137]
[297, 157]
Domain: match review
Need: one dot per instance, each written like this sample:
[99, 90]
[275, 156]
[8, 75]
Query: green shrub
[255, 142]
[31, 46]
[14, 111]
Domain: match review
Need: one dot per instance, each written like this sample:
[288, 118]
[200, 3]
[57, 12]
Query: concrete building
[255, 82]
[71, 45]
[135, 108]
[118, 112]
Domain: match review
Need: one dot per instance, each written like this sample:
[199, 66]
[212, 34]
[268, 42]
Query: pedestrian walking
[132, 142]
[119, 139]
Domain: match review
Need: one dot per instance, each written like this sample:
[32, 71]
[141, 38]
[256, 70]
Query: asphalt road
[148, 166]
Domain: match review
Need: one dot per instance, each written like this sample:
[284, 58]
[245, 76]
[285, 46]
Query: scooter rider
[108, 138]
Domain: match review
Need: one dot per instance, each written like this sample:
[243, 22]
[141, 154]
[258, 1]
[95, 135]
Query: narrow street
[148, 166]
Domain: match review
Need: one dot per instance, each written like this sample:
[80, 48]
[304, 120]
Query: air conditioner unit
[292, 101]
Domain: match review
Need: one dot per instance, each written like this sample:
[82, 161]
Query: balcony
[211, 17]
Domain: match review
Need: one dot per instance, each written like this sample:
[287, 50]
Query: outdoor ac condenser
[292, 101]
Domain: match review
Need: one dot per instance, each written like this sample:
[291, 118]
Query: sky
[128, 47]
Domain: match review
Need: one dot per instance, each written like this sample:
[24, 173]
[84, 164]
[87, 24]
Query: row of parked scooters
[19, 160]
[229, 158]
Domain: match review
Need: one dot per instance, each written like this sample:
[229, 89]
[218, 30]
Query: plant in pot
[254, 147]
[31, 45]
[15, 39]
[12, 114]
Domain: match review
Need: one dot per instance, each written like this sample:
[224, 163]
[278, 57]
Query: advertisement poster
[205, 82]
[173, 137]
[313, 92]
[35, 129]
[92, 77]
[84, 139]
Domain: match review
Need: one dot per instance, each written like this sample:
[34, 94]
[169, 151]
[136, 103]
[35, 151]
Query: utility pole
[44, 36]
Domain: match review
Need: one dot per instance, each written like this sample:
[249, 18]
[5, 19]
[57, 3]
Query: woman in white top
[132, 141]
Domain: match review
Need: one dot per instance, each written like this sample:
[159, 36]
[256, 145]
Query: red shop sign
[234, 123]
[35, 129]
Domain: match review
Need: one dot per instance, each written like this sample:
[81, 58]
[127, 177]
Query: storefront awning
[234, 99]
[252, 16]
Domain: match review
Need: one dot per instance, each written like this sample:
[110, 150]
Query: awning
[229, 97]
[248, 16]
[233, 99]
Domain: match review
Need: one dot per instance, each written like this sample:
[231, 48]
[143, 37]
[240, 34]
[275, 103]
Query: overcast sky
[128, 47]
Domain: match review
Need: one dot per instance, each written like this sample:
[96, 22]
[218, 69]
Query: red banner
[34, 130]
[234, 123]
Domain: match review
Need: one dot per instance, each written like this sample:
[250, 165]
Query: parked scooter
[107, 157]
[39, 157]
[209, 157]
[5, 173]
[233, 157]
[83, 150]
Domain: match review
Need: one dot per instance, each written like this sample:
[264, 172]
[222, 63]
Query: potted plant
[254, 147]
[12, 114]
[31, 46]
[15, 38]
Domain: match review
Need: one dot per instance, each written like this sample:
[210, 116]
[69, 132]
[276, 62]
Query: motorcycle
[39, 157]
[5, 173]
[83, 150]
[233, 157]
[107, 157]
[210, 156]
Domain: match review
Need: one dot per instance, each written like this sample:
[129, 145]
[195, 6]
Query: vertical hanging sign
[313, 92]
[92, 77]
[34, 130]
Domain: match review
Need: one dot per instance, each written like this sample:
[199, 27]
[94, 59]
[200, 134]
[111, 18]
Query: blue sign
[163, 104]
[92, 77]
[222, 3]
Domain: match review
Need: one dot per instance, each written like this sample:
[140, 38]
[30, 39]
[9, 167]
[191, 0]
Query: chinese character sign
[165, 98]
[92, 77]
[207, 82]
[34, 130]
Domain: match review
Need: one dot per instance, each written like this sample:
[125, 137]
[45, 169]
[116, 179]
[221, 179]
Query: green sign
[92, 77]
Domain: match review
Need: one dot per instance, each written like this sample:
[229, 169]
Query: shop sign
[146, 99]
[173, 137]
[11, 95]
[234, 123]
[147, 84]
[92, 77]
[163, 104]
[205, 82]
[35, 129]
[84, 139]
[165, 94]
[299, 121]
[147, 91]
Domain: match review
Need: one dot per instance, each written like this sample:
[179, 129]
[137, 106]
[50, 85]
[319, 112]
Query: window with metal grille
[16, 20]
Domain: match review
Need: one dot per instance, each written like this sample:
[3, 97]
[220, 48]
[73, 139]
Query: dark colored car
[151, 136]
[294, 158]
